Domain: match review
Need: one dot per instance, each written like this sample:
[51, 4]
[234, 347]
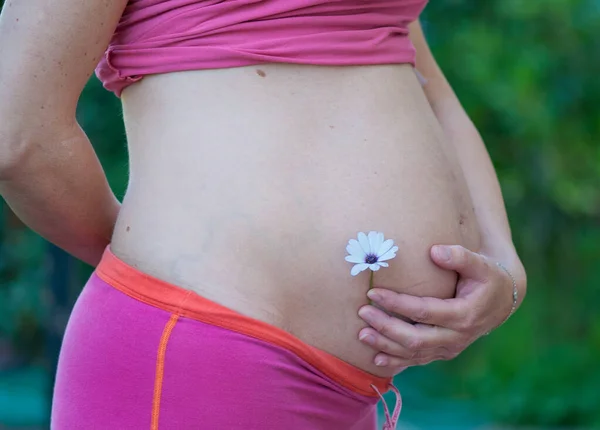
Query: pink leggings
[139, 353]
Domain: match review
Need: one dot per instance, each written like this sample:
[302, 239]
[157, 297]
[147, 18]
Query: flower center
[371, 258]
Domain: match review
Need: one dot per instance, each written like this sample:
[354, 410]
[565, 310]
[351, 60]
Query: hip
[154, 352]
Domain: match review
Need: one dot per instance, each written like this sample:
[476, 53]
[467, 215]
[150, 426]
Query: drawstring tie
[391, 421]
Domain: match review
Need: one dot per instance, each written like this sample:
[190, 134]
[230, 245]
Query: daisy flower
[370, 252]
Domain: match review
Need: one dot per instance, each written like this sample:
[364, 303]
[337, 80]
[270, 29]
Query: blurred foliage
[527, 73]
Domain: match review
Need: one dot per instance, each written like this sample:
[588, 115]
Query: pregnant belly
[254, 209]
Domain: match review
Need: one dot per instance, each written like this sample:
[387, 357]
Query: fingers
[384, 360]
[445, 327]
[407, 356]
[407, 336]
[379, 342]
[426, 310]
[467, 263]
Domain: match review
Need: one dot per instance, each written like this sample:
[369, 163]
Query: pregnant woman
[262, 136]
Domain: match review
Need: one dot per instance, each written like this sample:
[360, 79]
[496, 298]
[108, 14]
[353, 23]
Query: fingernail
[443, 253]
[363, 312]
[367, 338]
[374, 295]
[380, 361]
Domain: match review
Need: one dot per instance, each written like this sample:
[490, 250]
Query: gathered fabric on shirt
[161, 36]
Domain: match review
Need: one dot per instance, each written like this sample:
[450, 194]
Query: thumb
[467, 263]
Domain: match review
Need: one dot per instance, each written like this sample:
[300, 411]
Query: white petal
[354, 248]
[372, 236]
[374, 267]
[380, 240]
[355, 259]
[364, 242]
[385, 247]
[358, 268]
[375, 240]
[389, 255]
[383, 264]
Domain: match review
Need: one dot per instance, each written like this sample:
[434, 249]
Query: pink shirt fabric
[161, 36]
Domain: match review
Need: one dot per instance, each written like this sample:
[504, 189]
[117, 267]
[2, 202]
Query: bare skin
[246, 183]
[487, 279]
[263, 179]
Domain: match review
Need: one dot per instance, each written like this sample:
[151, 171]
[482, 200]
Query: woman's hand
[443, 328]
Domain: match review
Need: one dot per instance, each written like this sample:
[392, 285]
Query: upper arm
[48, 50]
[437, 89]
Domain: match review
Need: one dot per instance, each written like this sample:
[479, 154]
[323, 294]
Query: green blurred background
[528, 73]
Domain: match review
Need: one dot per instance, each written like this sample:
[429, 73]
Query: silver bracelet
[515, 295]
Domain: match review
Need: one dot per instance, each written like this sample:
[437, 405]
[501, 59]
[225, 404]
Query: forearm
[464, 141]
[486, 194]
[58, 188]
[479, 174]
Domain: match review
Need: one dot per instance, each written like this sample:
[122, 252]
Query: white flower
[370, 252]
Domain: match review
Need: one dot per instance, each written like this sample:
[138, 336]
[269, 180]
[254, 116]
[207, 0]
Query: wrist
[515, 291]
[497, 246]
[506, 255]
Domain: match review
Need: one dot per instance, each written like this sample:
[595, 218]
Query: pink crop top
[160, 36]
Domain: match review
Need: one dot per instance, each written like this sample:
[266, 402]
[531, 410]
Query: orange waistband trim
[186, 303]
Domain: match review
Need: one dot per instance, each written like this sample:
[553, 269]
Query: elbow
[13, 153]
[25, 147]
[27, 136]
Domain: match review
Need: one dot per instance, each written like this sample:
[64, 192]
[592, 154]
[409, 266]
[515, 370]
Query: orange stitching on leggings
[160, 369]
